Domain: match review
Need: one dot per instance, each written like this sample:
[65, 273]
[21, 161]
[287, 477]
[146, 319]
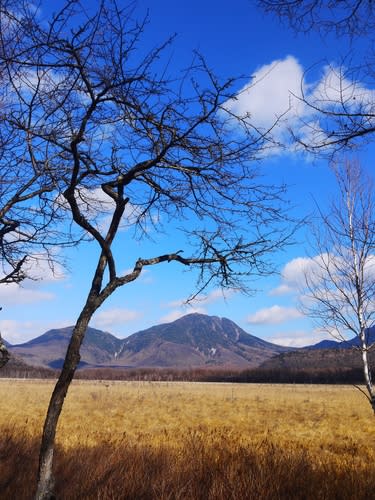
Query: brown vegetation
[213, 465]
[133, 440]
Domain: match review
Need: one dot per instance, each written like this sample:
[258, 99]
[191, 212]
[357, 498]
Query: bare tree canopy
[30, 213]
[126, 145]
[340, 283]
[29, 216]
[86, 101]
[341, 112]
[346, 17]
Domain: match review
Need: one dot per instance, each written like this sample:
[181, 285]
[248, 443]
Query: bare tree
[30, 229]
[30, 216]
[4, 353]
[340, 293]
[135, 149]
[341, 113]
[345, 18]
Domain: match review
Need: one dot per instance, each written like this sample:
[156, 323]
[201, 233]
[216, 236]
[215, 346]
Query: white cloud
[299, 338]
[18, 332]
[282, 289]
[294, 271]
[269, 94]
[279, 98]
[314, 270]
[214, 296]
[328, 277]
[40, 268]
[369, 268]
[272, 96]
[293, 275]
[27, 294]
[178, 313]
[274, 315]
[114, 317]
[335, 89]
[30, 291]
[198, 305]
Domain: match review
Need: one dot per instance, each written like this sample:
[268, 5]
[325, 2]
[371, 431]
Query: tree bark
[4, 353]
[367, 375]
[45, 487]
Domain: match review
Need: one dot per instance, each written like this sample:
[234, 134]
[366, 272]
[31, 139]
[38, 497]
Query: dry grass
[183, 440]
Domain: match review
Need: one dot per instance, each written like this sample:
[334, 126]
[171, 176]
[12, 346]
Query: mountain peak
[194, 340]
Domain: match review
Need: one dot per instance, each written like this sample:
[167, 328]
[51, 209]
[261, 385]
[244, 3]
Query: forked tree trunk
[45, 487]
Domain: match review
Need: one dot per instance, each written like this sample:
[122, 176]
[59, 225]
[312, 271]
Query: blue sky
[236, 39]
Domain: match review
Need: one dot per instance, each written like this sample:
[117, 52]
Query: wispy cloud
[14, 294]
[215, 295]
[111, 318]
[178, 313]
[298, 338]
[273, 315]
[18, 332]
[31, 291]
[199, 305]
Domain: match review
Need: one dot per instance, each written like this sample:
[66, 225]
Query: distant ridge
[195, 340]
[347, 344]
[49, 349]
[325, 355]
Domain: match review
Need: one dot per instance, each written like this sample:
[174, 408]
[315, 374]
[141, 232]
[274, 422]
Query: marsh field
[181, 440]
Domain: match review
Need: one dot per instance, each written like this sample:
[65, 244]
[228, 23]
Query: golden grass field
[321, 438]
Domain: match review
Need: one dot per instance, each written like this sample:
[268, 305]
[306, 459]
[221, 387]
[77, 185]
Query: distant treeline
[282, 376]
[257, 375]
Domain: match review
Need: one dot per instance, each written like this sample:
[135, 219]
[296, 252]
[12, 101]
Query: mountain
[348, 344]
[314, 360]
[17, 368]
[325, 344]
[49, 349]
[325, 355]
[195, 340]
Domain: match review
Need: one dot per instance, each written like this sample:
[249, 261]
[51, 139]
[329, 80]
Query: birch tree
[138, 148]
[341, 282]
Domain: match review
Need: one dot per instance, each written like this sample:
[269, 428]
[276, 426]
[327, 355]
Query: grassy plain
[192, 440]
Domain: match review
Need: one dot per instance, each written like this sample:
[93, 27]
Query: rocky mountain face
[195, 340]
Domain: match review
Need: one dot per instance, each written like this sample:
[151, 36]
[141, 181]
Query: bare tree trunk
[367, 375]
[4, 353]
[45, 487]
